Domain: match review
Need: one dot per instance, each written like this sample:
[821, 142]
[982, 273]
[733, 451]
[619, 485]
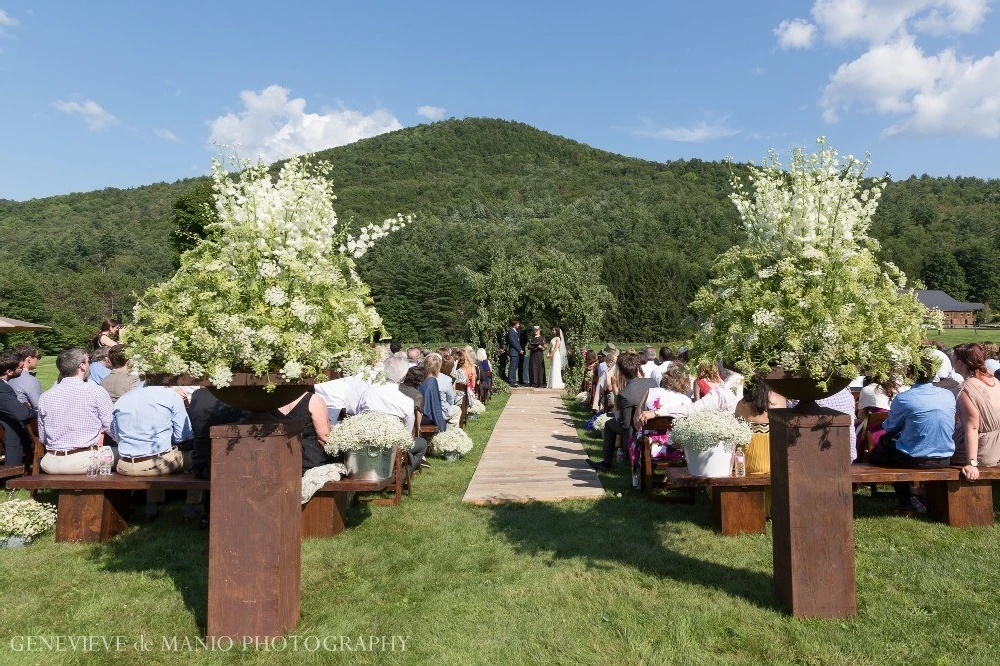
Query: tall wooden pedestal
[255, 548]
[812, 511]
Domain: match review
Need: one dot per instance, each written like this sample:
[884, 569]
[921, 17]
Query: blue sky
[125, 94]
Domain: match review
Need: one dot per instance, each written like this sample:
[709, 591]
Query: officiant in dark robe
[536, 345]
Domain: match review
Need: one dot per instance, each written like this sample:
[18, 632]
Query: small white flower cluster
[704, 429]
[600, 422]
[453, 440]
[25, 518]
[582, 397]
[368, 430]
[357, 246]
[476, 407]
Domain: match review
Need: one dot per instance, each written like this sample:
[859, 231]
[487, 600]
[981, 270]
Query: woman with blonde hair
[468, 366]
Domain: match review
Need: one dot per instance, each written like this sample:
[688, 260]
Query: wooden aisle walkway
[534, 454]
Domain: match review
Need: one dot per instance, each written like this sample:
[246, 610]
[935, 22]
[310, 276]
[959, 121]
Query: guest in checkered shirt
[73, 417]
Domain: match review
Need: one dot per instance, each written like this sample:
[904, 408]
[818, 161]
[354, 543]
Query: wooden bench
[325, 513]
[94, 509]
[12, 471]
[653, 469]
[738, 502]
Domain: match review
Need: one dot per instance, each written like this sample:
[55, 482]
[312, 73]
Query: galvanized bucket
[373, 463]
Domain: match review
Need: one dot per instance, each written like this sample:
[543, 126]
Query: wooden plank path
[534, 454]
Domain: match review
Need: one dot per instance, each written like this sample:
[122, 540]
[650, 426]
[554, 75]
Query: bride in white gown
[557, 352]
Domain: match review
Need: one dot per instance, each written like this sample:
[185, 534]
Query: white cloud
[8, 21]
[758, 71]
[927, 93]
[93, 115]
[795, 34]
[166, 135]
[272, 126]
[431, 112]
[879, 21]
[698, 132]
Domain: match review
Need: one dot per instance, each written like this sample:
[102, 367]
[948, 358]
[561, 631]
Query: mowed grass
[614, 581]
[955, 336]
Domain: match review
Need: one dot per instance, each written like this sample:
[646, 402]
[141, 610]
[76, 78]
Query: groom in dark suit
[628, 399]
[514, 352]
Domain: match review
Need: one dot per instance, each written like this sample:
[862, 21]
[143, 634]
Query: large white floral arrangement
[25, 518]
[805, 292]
[452, 440]
[368, 430]
[272, 288]
[704, 429]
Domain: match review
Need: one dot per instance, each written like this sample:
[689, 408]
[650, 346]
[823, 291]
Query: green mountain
[478, 186]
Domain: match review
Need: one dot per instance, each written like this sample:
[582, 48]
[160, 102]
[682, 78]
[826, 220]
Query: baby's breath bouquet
[805, 292]
[272, 288]
[476, 407]
[600, 422]
[376, 430]
[704, 429]
[582, 398]
[25, 518]
[452, 441]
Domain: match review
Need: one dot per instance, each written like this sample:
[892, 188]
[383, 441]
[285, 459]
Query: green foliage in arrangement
[649, 231]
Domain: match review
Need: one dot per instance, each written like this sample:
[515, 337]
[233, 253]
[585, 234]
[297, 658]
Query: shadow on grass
[615, 532]
[167, 548]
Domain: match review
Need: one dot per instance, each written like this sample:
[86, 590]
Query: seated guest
[669, 399]
[604, 378]
[753, 407]
[666, 359]
[311, 410]
[977, 436]
[344, 393]
[26, 385]
[100, 365]
[410, 387]
[120, 380]
[73, 417]
[630, 396]
[434, 408]
[919, 429]
[395, 346]
[390, 399]
[468, 366]
[205, 411]
[875, 398]
[148, 423]
[732, 380]
[992, 352]
[414, 356]
[485, 374]
[13, 412]
[843, 402]
[711, 393]
[451, 400]
[649, 363]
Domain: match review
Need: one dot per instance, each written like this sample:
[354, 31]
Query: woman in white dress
[557, 352]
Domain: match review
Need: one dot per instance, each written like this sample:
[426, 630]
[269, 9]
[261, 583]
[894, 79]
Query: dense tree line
[648, 231]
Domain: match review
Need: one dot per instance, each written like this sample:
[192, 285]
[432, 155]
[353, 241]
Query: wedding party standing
[514, 352]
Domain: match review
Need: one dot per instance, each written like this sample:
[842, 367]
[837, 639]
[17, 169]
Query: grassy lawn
[955, 336]
[616, 581]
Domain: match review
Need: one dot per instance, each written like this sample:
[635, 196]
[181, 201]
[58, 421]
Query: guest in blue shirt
[100, 365]
[148, 422]
[918, 430]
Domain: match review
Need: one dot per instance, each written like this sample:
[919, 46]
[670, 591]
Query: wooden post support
[739, 509]
[91, 516]
[960, 503]
[812, 511]
[255, 547]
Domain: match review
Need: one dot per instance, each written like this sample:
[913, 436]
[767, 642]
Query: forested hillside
[479, 187]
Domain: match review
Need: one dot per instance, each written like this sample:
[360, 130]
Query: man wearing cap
[536, 371]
